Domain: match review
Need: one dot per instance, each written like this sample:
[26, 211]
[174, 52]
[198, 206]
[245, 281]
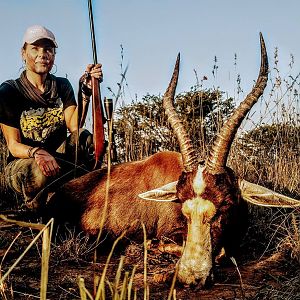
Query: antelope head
[210, 193]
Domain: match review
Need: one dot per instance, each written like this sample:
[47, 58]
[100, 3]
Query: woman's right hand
[46, 163]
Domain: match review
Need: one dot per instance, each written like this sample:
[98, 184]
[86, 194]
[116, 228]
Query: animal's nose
[201, 284]
[197, 279]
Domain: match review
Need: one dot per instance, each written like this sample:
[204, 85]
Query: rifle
[98, 118]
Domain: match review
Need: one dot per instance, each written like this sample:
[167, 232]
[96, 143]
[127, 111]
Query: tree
[142, 128]
[271, 139]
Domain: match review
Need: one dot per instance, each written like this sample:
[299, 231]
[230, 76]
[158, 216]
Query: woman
[36, 110]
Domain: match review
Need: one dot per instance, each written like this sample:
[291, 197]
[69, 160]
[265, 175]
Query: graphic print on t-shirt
[38, 124]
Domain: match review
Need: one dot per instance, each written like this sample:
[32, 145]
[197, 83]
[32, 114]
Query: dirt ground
[72, 256]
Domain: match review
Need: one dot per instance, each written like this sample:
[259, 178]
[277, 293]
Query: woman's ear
[23, 54]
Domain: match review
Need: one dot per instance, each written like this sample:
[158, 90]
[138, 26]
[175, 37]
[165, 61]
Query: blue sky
[152, 33]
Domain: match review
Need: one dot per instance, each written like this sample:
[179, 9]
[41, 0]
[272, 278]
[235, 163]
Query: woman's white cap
[38, 32]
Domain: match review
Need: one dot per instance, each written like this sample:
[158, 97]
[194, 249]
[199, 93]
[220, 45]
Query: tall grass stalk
[130, 283]
[240, 276]
[46, 233]
[45, 258]
[84, 293]
[123, 293]
[146, 286]
[172, 292]
[118, 275]
[100, 293]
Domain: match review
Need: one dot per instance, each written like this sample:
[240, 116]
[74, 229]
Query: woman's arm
[13, 141]
[71, 117]
[71, 112]
[44, 160]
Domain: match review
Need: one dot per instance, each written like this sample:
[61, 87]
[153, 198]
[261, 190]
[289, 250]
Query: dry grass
[72, 246]
[45, 231]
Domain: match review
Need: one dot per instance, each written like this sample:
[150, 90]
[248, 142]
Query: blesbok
[202, 204]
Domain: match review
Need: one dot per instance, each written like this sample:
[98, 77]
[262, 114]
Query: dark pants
[25, 177]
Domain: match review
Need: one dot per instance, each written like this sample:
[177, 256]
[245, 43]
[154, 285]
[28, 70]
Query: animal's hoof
[161, 277]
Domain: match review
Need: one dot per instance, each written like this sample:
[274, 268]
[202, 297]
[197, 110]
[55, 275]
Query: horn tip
[178, 60]
[264, 56]
[261, 37]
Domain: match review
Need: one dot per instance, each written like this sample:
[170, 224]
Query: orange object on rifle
[98, 121]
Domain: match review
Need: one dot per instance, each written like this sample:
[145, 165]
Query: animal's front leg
[170, 248]
[159, 246]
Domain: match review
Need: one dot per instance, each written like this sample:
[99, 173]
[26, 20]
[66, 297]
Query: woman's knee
[24, 174]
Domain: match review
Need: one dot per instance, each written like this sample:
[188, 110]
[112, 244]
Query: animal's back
[84, 197]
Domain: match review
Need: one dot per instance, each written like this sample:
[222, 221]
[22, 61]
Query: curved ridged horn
[218, 155]
[186, 147]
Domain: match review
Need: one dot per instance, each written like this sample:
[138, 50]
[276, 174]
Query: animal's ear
[166, 193]
[259, 195]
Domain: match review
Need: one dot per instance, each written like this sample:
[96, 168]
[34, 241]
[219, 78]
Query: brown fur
[229, 224]
[185, 186]
[230, 221]
[82, 199]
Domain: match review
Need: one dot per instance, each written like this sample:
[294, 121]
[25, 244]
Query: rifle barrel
[92, 31]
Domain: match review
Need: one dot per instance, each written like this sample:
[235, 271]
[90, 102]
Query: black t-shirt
[40, 125]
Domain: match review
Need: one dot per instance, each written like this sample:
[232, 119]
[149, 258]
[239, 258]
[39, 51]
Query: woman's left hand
[93, 71]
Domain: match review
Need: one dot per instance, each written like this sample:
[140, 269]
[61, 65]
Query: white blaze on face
[196, 261]
[199, 184]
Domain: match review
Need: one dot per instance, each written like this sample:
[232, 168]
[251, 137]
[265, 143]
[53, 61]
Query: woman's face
[39, 56]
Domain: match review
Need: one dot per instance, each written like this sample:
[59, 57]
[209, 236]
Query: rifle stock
[98, 121]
